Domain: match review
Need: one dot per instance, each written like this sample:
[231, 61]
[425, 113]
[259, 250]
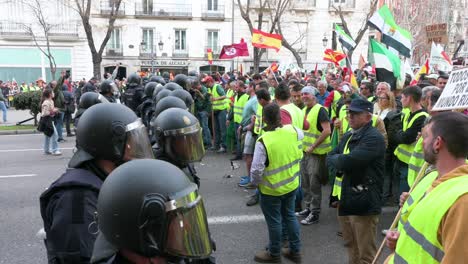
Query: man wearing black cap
[359, 157]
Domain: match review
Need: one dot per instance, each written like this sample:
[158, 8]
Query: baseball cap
[207, 79]
[361, 105]
[432, 76]
[310, 90]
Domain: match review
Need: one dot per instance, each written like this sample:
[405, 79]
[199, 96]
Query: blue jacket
[362, 169]
[68, 209]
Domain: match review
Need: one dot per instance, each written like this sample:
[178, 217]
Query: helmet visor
[185, 145]
[138, 145]
[187, 230]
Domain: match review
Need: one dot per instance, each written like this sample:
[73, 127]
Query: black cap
[361, 105]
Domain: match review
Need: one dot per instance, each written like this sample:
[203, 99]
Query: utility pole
[232, 31]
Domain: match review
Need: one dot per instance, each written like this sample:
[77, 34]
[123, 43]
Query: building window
[147, 6]
[115, 40]
[339, 1]
[180, 39]
[147, 39]
[212, 5]
[212, 41]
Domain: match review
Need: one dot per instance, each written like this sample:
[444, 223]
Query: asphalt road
[238, 230]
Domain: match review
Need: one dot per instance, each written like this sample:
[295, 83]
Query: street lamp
[153, 53]
[324, 41]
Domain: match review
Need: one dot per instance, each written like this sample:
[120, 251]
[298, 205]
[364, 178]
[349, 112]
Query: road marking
[235, 219]
[23, 150]
[17, 176]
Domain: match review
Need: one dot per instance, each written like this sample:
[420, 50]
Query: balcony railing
[146, 52]
[177, 53]
[64, 31]
[304, 4]
[114, 52]
[164, 11]
[212, 12]
[346, 5]
[13, 29]
[108, 6]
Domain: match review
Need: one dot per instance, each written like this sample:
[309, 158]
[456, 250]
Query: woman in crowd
[48, 111]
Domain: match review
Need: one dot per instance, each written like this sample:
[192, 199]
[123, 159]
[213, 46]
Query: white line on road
[17, 176]
[22, 150]
[235, 219]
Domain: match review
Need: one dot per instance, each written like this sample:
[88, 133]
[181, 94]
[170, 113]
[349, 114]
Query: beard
[430, 155]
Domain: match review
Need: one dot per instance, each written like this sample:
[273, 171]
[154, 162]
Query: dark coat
[363, 171]
[68, 209]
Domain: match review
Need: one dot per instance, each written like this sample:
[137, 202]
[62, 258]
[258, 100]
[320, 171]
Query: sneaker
[221, 150]
[70, 135]
[265, 257]
[250, 186]
[312, 218]
[244, 182]
[56, 153]
[295, 257]
[245, 177]
[211, 148]
[252, 201]
[303, 213]
[61, 140]
[47, 153]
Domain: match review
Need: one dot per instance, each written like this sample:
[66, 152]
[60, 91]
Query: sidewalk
[14, 116]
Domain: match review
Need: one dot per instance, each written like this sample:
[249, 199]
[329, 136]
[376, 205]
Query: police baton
[397, 217]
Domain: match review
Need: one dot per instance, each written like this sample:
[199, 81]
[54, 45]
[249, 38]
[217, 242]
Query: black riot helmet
[179, 135]
[156, 91]
[193, 73]
[184, 95]
[163, 93]
[150, 207]
[89, 99]
[149, 89]
[168, 102]
[108, 86]
[158, 79]
[166, 76]
[145, 80]
[173, 86]
[134, 79]
[183, 81]
[110, 132]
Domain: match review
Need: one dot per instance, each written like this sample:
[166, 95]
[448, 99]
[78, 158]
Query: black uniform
[133, 96]
[75, 191]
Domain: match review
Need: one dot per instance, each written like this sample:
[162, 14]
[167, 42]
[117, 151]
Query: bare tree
[362, 29]
[36, 8]
[83, 7]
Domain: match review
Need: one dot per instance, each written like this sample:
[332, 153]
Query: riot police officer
[108, 135]
[109, 90]
[178, 140]
[149, 212]
[87, 100]
[134, 93]
[145, 109]
[158, 79]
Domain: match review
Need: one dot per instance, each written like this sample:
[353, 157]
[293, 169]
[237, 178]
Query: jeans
[59, 124]
[4, 110]
[67, 118]
[278, 209]
[220, 128]
[238, 141]
[400, 171]
[203, 118]
[51, 143]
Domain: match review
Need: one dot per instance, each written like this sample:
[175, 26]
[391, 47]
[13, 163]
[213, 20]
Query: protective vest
[229, 94]
[371, 99]
[239, 104]
[218, 105]
[258, 126]
[339, 180]
[403, 151]
[281, 176]
[297, 116]
[334, 105]
[312, 134]
[344, 122]
[418, 242]
[416, 161]
[25, 88]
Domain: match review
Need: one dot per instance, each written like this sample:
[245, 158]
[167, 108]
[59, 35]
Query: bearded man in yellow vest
[412, 123]
[316, 145]
[359, 157]
[275, 169]
[435, 229]
[219, 108]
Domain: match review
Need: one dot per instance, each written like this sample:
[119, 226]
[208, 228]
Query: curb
[19, 132]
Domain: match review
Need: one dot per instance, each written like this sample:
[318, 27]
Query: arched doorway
[121, 73]
[212, 68]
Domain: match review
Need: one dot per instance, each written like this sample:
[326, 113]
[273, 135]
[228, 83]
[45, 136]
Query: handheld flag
[439, 59]
[392, 35]
[424, 70]
[333, 56]
[345, 40]
[234, 50]
[209, 53]
[265, 40]
[387, 64]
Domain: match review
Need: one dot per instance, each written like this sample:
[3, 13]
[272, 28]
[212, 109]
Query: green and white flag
[387, 64]
[392, 35]
[344, 38]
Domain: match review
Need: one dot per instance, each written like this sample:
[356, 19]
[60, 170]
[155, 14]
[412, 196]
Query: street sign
[455, 94]
[437, 33]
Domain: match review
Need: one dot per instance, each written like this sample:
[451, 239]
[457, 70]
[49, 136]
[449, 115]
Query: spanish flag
[333, 56]
[424, 70]
[209, 53]
[265, 40]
